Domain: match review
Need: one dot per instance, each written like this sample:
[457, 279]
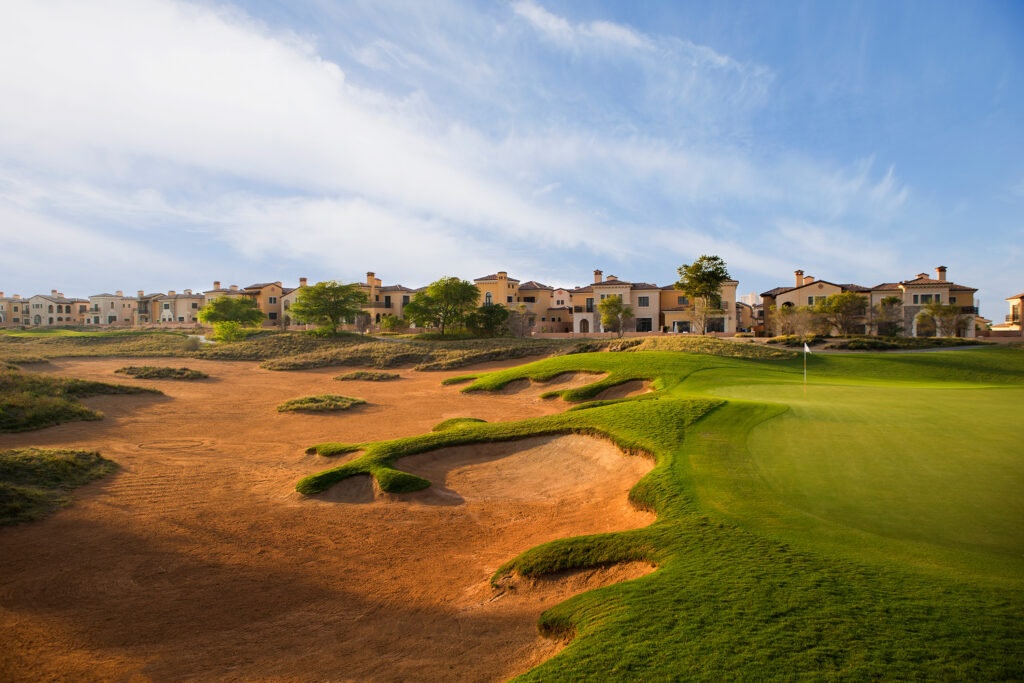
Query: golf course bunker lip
[634, 387]
[539, 468]
[534, 388]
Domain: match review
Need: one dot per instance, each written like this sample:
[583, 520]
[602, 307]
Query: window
[111, 304]
[181, 318]
[590, 305]
[272, 299]
[643, 302]
[952, 300]
[387, 301]
[916, 297]
[488, 299]
[925, 298]
[530, 299]
[643, 325]
[405, 300]
[272, 315]
[167, 307]
[682, 301]
[509, 299]
[195, 304]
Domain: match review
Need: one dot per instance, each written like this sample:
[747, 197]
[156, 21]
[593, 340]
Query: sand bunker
[526, 388]
[197, 560]
[633, 387]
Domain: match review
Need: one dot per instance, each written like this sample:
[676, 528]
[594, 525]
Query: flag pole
[807, 350]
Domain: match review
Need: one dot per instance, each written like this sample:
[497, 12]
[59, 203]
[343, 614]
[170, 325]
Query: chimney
[216, 284]
[171, 292]
[799, 277]
[302, 282]
[370, 275]
[187, 291]
[502, 274]
[1, 295]
[597, 276]
[808, 279]
[141, 293]
[17, 296]
[60, 294]
[923, 275]
[119, 293]
[940, 273]
[53, 292]
[234, 288]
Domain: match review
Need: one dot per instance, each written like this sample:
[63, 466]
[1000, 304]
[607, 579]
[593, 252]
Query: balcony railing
[1013, 318]
[378, 304]
[972, 310]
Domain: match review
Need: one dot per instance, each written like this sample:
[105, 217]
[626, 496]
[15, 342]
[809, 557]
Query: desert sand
[197, 560]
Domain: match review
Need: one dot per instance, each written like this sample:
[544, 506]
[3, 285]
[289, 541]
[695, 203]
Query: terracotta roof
[113, 296]
[494, 276]
[886, 286]
[533, 284]
[611, 283]
[931, 282]
[395, 288]
[217, 291]
[261, 285]
[582, 290]
[180, 296]
[777, 291]
[845, 288]
[288, 290]
[54, 299]
[1013, 298]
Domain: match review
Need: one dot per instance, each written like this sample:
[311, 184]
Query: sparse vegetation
[893, 343]
[367, 376]
[159, 372]
[321, 403]
[31, 401]
[797, 340]
[34, 481]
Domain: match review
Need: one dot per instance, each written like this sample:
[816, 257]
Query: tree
[446, 303]
[947, 318]
[888, 315]
[327, 304]
[228, 314]
[702, 281]
[614, 313]
[843, 311]
[490, 320]
[519, 321]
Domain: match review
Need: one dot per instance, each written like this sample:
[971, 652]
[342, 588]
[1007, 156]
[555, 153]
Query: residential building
[643, 297]
[288, 296]
[178, 308]
[744, 317]
[12, 310]
[913, 294]
[52, 309]
[1012, 322]
[679, 311]
[267, 297]
[111, 309]
[147, 308]
[218, 291]
[498, 288]
[385, 300]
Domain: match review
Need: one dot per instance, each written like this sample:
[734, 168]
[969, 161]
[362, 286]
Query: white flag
[807, 349]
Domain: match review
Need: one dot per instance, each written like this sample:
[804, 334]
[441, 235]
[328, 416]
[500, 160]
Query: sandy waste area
[198, 561]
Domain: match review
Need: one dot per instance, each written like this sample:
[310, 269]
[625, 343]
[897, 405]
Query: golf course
[864, 525]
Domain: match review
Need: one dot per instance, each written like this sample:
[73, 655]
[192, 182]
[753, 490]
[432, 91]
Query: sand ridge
[198, 559]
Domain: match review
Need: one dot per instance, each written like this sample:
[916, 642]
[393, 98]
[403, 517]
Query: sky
[163, 144]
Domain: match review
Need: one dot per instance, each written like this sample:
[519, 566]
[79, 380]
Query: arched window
[50, 309]
[488, 299]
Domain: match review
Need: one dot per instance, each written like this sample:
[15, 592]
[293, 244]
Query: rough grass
[161, 372]
[712, 346]
[127, 343]
[455, 422]
[811, 557]
[33, 481]
[323, 402]
[796, 340]
[32, 401]
[893, 343]
[367, 376]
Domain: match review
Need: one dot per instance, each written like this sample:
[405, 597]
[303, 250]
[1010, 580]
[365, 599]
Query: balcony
[970, 310]
[1013, 318]
[379, 304]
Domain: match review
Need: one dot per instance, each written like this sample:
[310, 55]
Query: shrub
[227, 331]
[322, 402]
[367, 376]
[157, 372]
[797, 340]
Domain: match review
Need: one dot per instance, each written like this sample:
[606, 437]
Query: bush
[894, 343]
[32, 480]
[367, 376]
[227, 331]
[319, 403]
[157, 372]
[797, 340]
[744, 334]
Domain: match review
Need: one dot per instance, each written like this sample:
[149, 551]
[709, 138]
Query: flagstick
[805, 369]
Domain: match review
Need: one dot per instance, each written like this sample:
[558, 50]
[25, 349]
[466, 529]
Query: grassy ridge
[800, 552]
[33, 481]
[156, 372]
[321, 403]
[33, 401]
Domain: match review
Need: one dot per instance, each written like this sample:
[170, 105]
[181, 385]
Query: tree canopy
[702, 281]
[328, 304]
[843, 311]
[947, 318]
[490, 320]
[445, 304]
[234, 309]
[614, 313]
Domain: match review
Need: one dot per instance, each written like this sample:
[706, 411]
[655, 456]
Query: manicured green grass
[321, 403]
[868, 529]
[455, 422]
[33, 481]
[160, 372]
[367, 376]
[34, 401]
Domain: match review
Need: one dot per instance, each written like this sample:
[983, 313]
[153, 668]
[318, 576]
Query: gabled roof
[494, 276]
[54, 299]
[582, 290]
[611, 283]
[395, 288]
[261, 285]
[931, 282]
[1014, 298]
[886, 286]
[533, 284]
[844, 288]
[288, 290]
[777, 291]
[643, 285]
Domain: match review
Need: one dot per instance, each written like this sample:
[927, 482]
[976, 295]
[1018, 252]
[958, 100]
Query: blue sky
[157, 144]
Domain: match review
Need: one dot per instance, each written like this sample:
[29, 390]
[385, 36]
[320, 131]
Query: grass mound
[30, 402]
[797, 340]
[33, 480]
[367, 376]
[894, 343]
[323, 402]
[126, 343]
[712, 346]
[160, 372]
[454, 422]
[798, 533]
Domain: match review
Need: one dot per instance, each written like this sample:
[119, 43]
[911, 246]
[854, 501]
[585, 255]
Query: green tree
[328, 304]
[702, 281]
[445, 304]
[228, 314]
[843, 312]
[490, 320]
[888, 313]
[614, 313]
[392, 323]
[947, 318]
